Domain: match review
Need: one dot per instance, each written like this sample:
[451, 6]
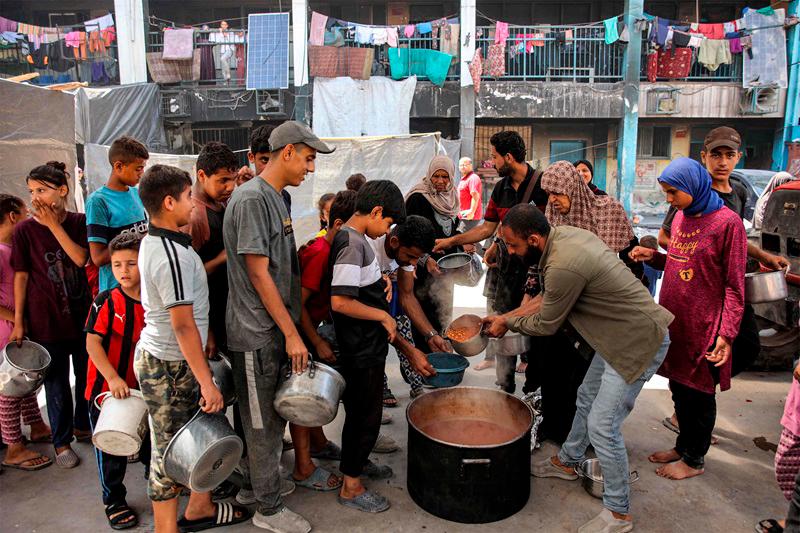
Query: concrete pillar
[599, 139]
[302, 111]
[467, 100]
[791, 120]
[131, 18]
[629, 125]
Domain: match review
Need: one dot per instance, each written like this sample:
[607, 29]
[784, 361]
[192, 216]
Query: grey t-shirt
[257, 223]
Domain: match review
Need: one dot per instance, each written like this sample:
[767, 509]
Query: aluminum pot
[592, 477]
[22, 368]
[473, 345]
[466, 450]
[763, 287]
[510, 344]
[122, 424]
[222, 374]
[458, 268]
[203, 453]
[310, 399]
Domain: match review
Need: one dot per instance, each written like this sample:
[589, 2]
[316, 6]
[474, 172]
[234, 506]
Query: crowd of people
[164, 272]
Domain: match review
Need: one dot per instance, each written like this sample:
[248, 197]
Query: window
[567, 150]
[654, 141]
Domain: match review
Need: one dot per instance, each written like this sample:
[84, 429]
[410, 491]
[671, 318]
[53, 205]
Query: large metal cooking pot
[510, 344]
[469, 454]
[222, 373]
[763, 287]
[471, 345]
[592, 477]
[22, 368]
[203, 453]
[122, 424]
[459, 268]
[310, 399]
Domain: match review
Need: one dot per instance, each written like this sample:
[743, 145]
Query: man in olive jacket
[586, 285]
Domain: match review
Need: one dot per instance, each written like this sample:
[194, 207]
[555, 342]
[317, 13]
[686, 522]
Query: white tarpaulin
[98, 169]
[344, 107]
[767, 67]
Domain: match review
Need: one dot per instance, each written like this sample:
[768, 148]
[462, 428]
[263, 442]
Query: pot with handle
[203, 453]
[466, 335]
[311, 398]
[592, 477]
[22, 368]
[222, 374]
[122, 424]
[510, 344]
[764, 287]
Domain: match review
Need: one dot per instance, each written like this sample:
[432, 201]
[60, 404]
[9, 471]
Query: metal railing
[699, 73]
[381, 61]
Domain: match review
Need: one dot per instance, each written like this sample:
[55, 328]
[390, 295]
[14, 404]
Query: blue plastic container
[449, 367]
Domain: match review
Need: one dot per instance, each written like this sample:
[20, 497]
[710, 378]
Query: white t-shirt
[387, 264]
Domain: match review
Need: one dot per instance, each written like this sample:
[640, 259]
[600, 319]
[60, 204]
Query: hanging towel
[316, 35]
[612, 34]
[675, 63]
[332, 61]
[624, 34]
[495, 65]
[391, 37]
[405, 62]
[363, 34]
[178, 44]
[736, 45]
[695, 27]
[409, 30]
[424, 28]
[475, 70]
[680, 40]
[712, 31]
[695, 41]
[713, 53]
[500, 32]
[449, 40]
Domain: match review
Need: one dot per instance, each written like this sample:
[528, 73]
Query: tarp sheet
[37, 125]
[103, 114]
[344, 107]
[98, 169]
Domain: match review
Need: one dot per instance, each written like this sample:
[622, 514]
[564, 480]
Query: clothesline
[379, 26]
[154, 18]
[582, 24]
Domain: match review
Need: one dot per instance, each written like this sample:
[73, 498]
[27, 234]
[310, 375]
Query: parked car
[755, 181]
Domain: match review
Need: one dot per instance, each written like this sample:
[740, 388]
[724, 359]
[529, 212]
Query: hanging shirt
[409, 30]
[713, 53]
[500, 32]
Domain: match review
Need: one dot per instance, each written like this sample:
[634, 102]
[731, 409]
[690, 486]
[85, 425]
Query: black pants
[111, 468]
[697, 414]
[363, 404]
[747, 344]
[793, 516]
[63, 416]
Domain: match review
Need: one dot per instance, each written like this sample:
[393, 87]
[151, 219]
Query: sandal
[388, 398]
[27, 467]
[769, 525]
[120, 516]
[225, 516]
[368, 502]
[68, 459]
[319, 480]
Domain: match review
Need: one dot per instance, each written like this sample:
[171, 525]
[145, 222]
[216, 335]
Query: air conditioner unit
[662, 101]
[759, 101]
[175, 104]
[269, 103]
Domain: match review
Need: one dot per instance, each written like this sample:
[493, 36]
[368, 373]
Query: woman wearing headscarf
[586, 170]
[703, 286]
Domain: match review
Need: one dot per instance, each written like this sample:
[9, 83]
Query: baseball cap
[722, 137]
[293, 132]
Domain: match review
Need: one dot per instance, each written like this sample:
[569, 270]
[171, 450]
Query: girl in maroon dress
[704, 288]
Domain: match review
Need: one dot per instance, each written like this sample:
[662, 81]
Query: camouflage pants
[170, 392]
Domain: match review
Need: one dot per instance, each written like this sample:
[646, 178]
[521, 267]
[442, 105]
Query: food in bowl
[463, 333]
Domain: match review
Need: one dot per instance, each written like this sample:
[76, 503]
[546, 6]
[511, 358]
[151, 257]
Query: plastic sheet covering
[768, 64]
[103, 114]
[37, 125]
[344, 107]
[98, 168]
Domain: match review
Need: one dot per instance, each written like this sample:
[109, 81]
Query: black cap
[293, 132]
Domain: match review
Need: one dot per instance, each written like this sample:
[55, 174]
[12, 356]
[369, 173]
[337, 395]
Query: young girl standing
[49, 253]
[13, 211]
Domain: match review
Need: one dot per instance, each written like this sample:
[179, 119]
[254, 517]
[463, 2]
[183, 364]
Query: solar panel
[268, 51]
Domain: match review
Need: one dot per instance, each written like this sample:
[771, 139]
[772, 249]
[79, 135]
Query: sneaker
[385, 444]
[284, 521]
[606, 523]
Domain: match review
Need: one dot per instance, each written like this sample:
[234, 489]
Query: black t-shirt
[736, 200]
[504, 197]
[217, 280]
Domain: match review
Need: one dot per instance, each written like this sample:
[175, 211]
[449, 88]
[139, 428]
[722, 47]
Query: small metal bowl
[592, 477]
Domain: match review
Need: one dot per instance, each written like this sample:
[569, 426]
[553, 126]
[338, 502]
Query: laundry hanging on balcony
[334, 62]
[178, 44]
[495, 65]
[713, 53]
[376, 35]
[669, 64]
[449, 39]
[316, 34]
[476, 69]
[421, 62]
[171, 71]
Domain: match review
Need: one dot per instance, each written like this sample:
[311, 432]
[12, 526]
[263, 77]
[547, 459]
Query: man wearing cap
[263, 308]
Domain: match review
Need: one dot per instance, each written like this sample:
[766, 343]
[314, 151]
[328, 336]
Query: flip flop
[317, 481]
[389, 399]
[225, 516]
[331, 451]
[30, 468]
[367, 502]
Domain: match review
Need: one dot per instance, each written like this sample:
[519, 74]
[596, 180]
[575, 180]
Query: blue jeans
[604, 402]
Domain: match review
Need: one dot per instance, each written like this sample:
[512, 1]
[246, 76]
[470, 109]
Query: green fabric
[768, 11]
[421, 62]
[587, 285]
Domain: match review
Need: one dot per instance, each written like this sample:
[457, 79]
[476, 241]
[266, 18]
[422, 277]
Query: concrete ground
[737, 489]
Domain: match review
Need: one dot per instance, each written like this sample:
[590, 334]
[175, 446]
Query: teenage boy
[258, 155]
[364, 329]
[115, 207]
[170, 359]
[263, 308]
[115, 321]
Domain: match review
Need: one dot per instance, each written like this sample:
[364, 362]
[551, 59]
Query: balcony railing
[381, 61]
[699, 73]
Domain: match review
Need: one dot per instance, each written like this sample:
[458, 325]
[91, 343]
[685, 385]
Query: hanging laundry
[109, 35]
[435, 38]
[332, 62]
[712, 31]
[538, 39]
[166, 71]
[432, 64]
[747, 45]
[334, 38]
[475, 70]
[500, 32]
[363, 34]
[409, 30]
[661, 31]
[241, 63]
[8, 25]
[680, 40]
[100, 23]
[713, 53]
[495, 65]
[450, 39]
[392, 37]
[652, 67]
[695, 41]
[739, 24]
[612, 34]
[766, 11]
[424, 28]
[568, 37]
[670, 36]
[675, 63]
[735, 45]
[729, 27]
[316, 34]
[178, 44]
[624, 34]
[99, 75]
[208, 71]
[77, 41]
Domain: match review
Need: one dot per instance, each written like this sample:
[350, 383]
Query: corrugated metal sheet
[503, 99]
[706, 100]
